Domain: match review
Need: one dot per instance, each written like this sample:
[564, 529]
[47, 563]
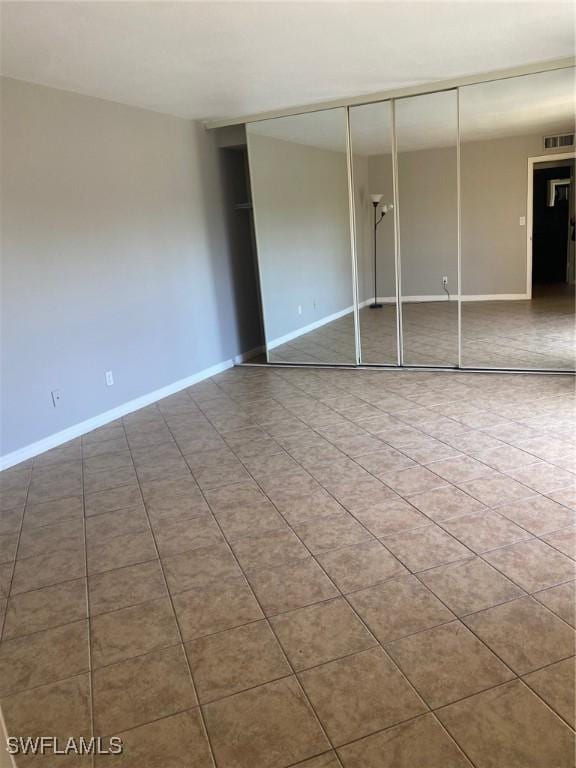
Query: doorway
[552, 231]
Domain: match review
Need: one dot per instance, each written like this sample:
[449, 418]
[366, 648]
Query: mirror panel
[426, 140]
[517, 202]
[299, 177]
[371, 145]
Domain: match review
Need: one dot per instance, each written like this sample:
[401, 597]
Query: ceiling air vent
[559, 141]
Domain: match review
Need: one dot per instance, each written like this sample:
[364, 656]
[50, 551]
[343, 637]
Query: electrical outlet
[522, 221]
[445, 281]
[109, 378]
[56, 397]
[299, 309]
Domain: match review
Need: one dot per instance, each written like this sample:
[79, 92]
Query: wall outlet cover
[109, 378]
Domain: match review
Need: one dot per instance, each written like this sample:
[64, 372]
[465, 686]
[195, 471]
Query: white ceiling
[207, 60]
[532, 104]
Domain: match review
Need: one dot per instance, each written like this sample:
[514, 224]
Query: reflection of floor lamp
[376, 202]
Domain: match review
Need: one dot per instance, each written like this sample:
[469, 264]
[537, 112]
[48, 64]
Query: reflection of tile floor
[284, 567]
[495, 334]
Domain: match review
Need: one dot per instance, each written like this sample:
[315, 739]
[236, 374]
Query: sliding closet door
[372, 163]
[300, 193]
[427, 160]
[517, 199]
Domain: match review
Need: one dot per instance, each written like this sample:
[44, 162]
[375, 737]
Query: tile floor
[495, 334]
[283, 567]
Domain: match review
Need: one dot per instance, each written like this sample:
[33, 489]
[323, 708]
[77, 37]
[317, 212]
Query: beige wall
[114, 257]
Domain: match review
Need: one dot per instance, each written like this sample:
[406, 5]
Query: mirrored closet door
[427, 160]
[373, 175]
[517, 230]
[300, 191]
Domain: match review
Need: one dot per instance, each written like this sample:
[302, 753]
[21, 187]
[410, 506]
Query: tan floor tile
[5, 578]
[291, 586]
[327, 760]
[421, 742]
[169, 743]
[240, 496]
[136, 691]
[113, 499]
[509, 726]
[399, 607]
[524, 634]
[8, 545]
[104, 481]
[118, 523]
[269, 725]
[223, 606]
[384, 461]
[496, 490]
[564, 540]
[361, 565]
[46, 570]
[561, 600]
[317, 505]
[566, 496]
[408, 482]
[43, 657]
[123, 550]
[216, 477]
[555, 684]
[126, 586]
[260, 518]
[446, 502]
[505, 458]
[107, 461]
[132, 632]
[60, 537]
[470, 585]
[460, 469]
[482, 531]
[425, 548]
[334, 532]
[543, 477]
[269, 549]
[200, 568]
[448, 663]
[10, 520]
[390, 517]
[60, 709]
[359, 695]
[164, 495]
[185, 534]
[44, 608]
[539, 515]
[320, 633]
[232, 661]
[533, 565]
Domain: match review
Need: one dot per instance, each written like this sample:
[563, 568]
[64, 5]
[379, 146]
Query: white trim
[353, 252]
[532, 161]
[307, 328]
[245, 356]
[441, 297]
[83, 427]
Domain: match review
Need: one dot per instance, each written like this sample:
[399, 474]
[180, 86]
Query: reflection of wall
[374, 175]
[114, 258]
[300, 196]
[494, 177]
[493, 198]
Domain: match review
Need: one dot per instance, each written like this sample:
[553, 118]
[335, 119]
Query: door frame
[532, 161]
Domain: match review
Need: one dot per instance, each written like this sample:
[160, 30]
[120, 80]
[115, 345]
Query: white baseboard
[307, 328]
[245, 356]
[453, 297]
[58, 438]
